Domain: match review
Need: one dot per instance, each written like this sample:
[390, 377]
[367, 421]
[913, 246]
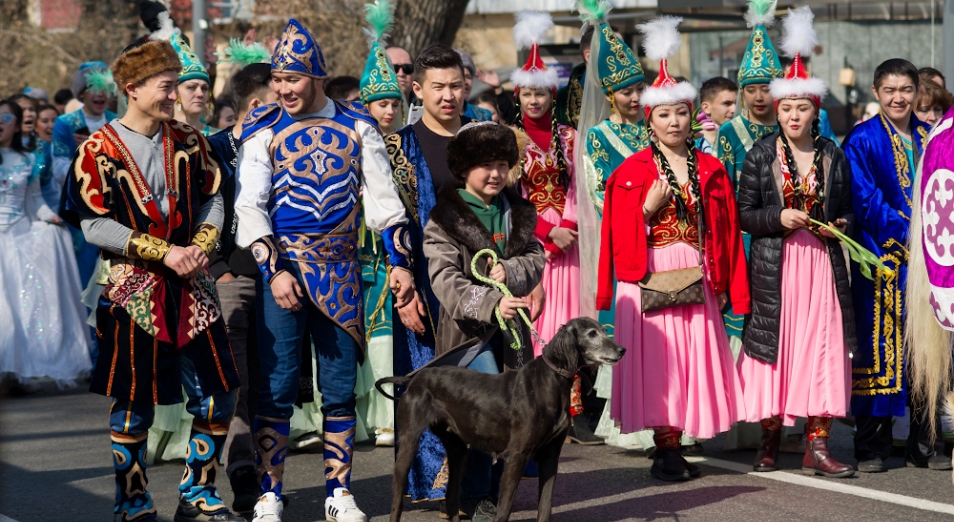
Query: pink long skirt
[812, 374]
[678, 369]
[561, 282]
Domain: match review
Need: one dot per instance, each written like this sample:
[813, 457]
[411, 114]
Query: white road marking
[6, 519]
[837, 487]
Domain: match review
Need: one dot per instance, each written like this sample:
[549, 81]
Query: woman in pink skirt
[671, 207]
[796, 342]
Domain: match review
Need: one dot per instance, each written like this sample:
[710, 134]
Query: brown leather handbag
[674, 287]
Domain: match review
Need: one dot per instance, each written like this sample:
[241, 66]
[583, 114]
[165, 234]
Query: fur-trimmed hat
[479, 142]
[143, 62]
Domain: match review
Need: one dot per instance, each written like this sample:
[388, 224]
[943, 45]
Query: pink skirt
[561, 282]
[678, 370]
[811, 376]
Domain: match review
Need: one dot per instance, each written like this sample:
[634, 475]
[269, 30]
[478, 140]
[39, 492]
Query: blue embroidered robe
[882, 184]
[428, 476]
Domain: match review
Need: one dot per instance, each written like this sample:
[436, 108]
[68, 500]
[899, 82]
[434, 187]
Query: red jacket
[624, 244]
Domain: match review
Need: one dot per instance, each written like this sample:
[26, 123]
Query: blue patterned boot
[198, 497]
[133, 503]
[340, 505]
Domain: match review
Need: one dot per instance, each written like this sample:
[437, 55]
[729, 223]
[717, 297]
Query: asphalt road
[55, 464]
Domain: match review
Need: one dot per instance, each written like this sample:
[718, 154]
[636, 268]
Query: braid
[799, 196]
[518, 123]
[564, 178]
[682, 212]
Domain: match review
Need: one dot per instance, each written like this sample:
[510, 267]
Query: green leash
[505, 325]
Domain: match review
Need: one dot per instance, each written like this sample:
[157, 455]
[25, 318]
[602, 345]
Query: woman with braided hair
[670, 210]
[546, 176]
[796, 343]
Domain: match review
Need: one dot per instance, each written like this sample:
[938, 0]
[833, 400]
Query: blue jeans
[280, 335]
[135, 418]
[475, 483]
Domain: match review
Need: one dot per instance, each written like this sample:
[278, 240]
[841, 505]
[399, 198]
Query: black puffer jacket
[760, 207]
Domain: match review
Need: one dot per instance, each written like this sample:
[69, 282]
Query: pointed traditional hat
[379, 81]
[616, 63]
[799, 40]
[661, 40]
[298, 52]
[528, 32]
[760, 62]
[192, 68]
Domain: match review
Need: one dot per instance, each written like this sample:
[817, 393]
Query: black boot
[668, 464]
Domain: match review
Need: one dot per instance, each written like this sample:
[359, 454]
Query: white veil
[594, 109]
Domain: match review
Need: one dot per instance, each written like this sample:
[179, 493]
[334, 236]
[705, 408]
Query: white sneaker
[268, 508]
[342, 508]
[384, 438]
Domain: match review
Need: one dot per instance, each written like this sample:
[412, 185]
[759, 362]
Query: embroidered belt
[320, 248]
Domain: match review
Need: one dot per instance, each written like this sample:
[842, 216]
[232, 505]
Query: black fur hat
[480, 142]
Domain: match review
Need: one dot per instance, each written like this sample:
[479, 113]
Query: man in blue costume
[883, 152]
[303, 167]
[418, 156]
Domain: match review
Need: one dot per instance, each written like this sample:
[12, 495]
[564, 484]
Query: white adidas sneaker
[342, 508]
[268, 508]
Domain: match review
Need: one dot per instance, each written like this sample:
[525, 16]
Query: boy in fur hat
[481, 212]
[156, 220]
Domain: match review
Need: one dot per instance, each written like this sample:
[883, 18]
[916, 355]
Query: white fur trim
[530, 28]
[799, 36]
[656, 96]
[661, 37]
[535, 79]
[753, 19]
[796, 87]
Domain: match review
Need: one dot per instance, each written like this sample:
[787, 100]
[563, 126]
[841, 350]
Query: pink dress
[678, 370]
[811, 376]
[555, 205]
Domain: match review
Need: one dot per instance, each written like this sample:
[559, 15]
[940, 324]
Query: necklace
[234, 160]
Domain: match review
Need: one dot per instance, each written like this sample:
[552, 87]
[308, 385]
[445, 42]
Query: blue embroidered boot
[198, 497]
[340, 506]
[271, 446]
[133, 503]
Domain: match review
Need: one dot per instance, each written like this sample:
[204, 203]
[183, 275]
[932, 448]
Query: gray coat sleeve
[459, 296]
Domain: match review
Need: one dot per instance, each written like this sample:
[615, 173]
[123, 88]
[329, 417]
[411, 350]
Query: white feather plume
[530, 28]
[799, 35]
[761, 12]
[167, 28]
[661, 37]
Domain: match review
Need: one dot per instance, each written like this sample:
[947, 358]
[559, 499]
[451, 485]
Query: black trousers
[873, 438]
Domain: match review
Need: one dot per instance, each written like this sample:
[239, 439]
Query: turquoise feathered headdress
[192, 68]
[616, 64]
[242, 55]
[760, 63]
[378, 82]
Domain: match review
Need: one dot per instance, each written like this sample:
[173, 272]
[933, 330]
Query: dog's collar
[559, 371]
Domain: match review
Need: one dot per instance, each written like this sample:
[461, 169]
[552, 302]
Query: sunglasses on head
[7, 118]
[406, 68]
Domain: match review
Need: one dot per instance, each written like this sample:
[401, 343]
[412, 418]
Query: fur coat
[451, 238]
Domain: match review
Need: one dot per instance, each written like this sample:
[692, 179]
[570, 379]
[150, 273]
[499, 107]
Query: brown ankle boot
[817, 460]
[767, 454]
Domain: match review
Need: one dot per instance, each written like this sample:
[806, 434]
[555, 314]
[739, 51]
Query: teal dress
[736, 138]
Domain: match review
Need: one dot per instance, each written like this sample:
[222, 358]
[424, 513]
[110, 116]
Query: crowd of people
[237, 273]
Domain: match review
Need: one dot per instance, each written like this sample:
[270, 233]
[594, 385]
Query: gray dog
[513, 416]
